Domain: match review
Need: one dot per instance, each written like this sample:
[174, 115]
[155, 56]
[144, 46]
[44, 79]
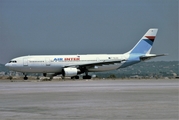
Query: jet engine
[69, 72]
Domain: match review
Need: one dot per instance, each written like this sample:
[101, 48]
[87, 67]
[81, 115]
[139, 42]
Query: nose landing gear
[25, 77]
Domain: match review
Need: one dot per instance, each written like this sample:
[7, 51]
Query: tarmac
[90, 100]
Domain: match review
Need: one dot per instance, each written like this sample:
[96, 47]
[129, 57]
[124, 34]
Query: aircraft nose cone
[7, 65]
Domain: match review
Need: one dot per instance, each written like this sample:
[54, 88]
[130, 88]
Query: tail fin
[144, 45]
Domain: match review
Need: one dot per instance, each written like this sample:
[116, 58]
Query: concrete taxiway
[94, 100]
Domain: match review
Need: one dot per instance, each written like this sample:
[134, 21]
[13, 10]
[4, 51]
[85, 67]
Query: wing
[150, 56]
[95, 63]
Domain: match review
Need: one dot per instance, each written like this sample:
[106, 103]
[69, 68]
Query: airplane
[74, 65]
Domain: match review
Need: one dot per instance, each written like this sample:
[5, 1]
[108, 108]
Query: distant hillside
[158, 68]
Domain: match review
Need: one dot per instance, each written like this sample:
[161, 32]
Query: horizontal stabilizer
[150, 56]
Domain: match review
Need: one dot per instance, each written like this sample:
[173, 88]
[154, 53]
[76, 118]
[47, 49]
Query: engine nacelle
[69, 72]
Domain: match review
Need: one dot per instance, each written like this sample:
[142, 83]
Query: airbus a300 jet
[74, 65]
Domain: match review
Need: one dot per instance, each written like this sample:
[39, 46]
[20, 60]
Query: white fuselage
[55, 63]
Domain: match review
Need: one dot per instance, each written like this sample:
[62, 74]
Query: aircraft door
[47, 61]
[97, 59]
[25, 62]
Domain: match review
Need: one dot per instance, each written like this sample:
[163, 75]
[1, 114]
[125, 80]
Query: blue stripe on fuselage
[133, 59]
[139, 50]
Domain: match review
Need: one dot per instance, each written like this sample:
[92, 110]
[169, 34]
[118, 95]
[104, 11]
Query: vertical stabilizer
[144, 45]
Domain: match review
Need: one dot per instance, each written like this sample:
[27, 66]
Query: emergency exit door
[25, 62]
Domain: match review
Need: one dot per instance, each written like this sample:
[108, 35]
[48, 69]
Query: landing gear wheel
[25, 78]
[44, 74]
[75, 77]
[87, 77]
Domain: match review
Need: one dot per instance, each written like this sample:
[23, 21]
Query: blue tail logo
[144, 45]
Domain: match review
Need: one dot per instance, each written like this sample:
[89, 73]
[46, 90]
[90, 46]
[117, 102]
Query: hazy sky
[29, 27]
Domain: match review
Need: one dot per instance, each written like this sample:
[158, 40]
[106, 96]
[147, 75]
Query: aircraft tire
[75, 77]
[87, 77]
[25, 78]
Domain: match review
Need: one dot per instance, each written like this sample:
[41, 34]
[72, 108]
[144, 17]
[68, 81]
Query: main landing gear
[75, 77]
[86, 75]
[83, 70]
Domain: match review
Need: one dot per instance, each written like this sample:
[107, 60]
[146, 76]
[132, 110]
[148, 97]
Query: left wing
[104, 62]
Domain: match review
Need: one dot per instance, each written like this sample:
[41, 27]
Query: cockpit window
[13, 61]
